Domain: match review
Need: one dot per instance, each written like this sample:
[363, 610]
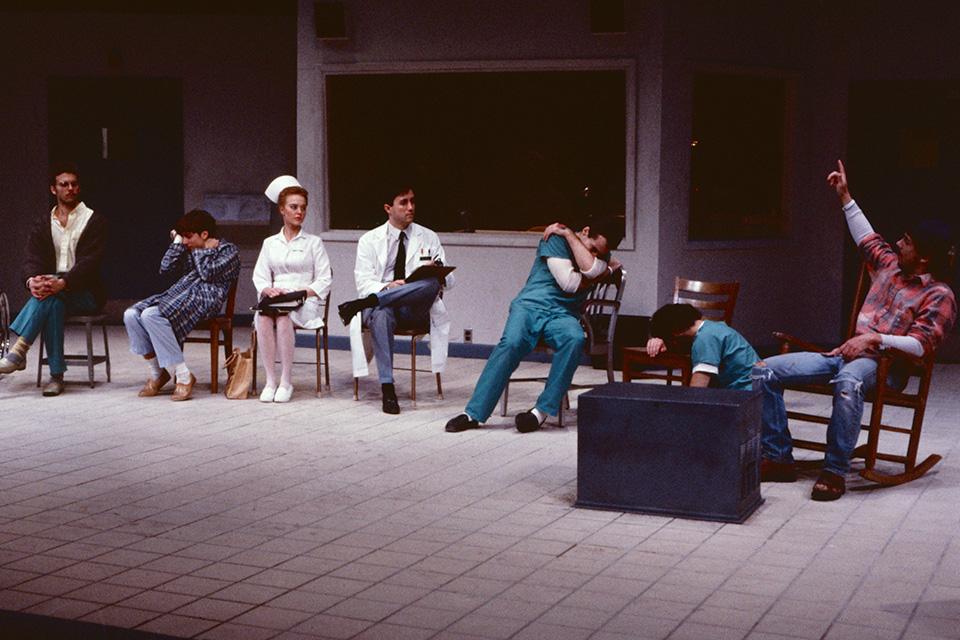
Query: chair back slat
[716, 300]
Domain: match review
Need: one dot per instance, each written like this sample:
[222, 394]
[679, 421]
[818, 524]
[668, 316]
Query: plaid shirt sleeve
[935, 317]
[878, 253]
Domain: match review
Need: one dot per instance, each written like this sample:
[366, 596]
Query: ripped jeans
[850, 380]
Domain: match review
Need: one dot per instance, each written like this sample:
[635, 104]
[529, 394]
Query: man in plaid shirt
[908, 308]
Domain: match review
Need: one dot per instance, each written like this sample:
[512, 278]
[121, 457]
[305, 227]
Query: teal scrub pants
[526, 325]
[48, 315]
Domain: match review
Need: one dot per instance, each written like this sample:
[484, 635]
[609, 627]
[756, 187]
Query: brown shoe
[771, 471]
[184, 391]
[153, 385]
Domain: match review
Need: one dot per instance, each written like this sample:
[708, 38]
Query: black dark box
[669, 450]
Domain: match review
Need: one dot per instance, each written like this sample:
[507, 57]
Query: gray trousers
[403, 307]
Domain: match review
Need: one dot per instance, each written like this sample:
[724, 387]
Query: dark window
[485, 150]
[737, 157]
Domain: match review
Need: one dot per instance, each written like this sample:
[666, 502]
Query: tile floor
[324, 518]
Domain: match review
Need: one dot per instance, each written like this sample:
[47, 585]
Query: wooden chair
[715, 300]
[321, 346]
[217, 325]
[920, 371]
[89, 358]
[415, 335]
[598, 316]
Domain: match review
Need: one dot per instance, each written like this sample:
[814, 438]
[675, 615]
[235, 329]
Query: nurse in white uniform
[291, 260]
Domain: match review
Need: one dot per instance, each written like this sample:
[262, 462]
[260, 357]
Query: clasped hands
[44, 286]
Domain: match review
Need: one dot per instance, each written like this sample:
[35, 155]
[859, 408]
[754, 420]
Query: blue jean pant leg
[149, 332]
[406, 306]
[854, 379]
[770, 378]
[519, 337]
[563, 334]
[48, 316]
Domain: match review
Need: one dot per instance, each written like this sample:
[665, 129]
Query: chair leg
[253, 347]
[356, 388]
[413, 371]
[504, 398]
[326, 356]
[41, 338]
[214, 357]
[88, 328]
[227, 339]
[106, 349]
[317, 348]
[439, 387]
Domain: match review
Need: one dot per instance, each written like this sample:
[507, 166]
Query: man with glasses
[61, 270]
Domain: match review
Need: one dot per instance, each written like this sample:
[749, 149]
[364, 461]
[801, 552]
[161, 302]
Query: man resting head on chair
[907, 308]
[720, 357]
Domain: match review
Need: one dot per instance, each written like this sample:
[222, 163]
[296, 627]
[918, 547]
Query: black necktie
[399, 271]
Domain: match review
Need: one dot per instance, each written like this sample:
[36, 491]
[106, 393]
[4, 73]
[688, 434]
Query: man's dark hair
[63, 167]
[395, 188]
[933, 240]
[196, 221]
[610, 227]
[672, 319]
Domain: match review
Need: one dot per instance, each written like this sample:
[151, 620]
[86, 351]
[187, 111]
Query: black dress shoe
[461, 423]
[351, 308]
[390, 404]
[527, 422]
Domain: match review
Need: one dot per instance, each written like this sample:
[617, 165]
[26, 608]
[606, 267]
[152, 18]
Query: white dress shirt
[65, 238]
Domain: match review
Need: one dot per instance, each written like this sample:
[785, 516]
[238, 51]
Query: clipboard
[427, 271]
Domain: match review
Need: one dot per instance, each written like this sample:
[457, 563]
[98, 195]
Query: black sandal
[829, 487]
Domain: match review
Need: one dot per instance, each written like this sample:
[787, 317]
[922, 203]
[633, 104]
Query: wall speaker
[607, 16]
[329, 20]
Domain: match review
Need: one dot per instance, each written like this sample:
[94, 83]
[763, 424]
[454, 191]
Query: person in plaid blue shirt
[908, 308]
[158, 325]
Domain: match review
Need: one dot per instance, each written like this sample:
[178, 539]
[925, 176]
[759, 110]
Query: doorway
[126, 136]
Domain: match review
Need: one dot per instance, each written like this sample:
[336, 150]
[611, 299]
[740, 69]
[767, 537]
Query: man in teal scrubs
[567, 265]
[720, 356]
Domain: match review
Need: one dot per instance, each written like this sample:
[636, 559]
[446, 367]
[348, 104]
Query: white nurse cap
[279, 184]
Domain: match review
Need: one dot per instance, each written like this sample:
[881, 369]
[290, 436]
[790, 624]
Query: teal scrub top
[541, 289]
[718, 345]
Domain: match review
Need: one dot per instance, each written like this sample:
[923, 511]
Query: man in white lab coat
[386, 255]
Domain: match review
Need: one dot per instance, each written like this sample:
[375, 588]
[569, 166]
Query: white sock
[182, 373]
[540, 417]
[154, 367]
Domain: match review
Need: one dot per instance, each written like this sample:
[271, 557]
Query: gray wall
[238, 75]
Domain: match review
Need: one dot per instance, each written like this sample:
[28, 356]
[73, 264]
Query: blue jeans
[850, 380]
[48, 315]
[525, 326]
[149, 332]
[403, 307]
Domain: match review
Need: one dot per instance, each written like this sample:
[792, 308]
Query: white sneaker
[283, 393]
[268, 394]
